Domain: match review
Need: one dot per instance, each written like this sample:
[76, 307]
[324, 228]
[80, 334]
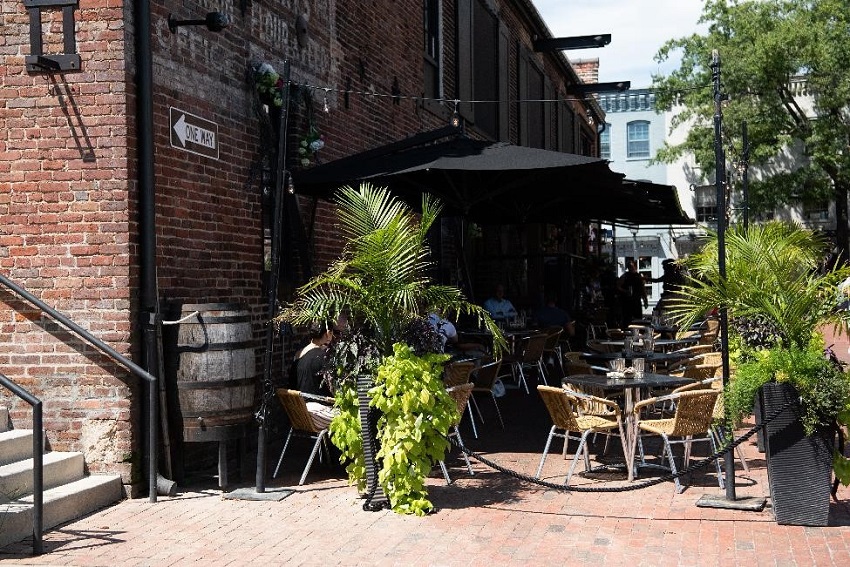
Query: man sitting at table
[449, 337]
[500, 309]
[550, 315]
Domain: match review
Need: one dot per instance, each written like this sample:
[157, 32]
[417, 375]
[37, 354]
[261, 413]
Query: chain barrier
[631, 487]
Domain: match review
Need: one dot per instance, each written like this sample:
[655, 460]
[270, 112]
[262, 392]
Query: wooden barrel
[216, 367]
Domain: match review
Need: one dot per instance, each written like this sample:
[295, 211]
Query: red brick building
[77, 223]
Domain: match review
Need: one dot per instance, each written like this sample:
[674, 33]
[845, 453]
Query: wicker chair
[552, 348]
[461, 395]
[483, 379]
[719, 416]
[565, 410]
[693, 416]
[301, 425]
[530, 355]
[457, 373]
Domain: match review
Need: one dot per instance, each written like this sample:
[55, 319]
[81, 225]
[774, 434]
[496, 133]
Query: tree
[763, 45]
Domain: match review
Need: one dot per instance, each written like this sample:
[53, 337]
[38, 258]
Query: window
[432, 48]
[605, 142]
[705, 203]
[482, 61]
[637, 135]
[816, 210]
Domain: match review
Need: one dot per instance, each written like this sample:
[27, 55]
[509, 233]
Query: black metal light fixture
[215, 21]
[575, 42]
[587, 88]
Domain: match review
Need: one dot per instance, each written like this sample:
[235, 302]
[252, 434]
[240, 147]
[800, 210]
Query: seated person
[550, 315]
[500, 309]
[308, 367]
[449, 337]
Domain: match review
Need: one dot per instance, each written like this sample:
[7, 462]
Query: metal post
[720, 178]
[745, 157]
[277, 234]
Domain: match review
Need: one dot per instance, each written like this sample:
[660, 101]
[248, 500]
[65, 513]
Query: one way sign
[193, 133]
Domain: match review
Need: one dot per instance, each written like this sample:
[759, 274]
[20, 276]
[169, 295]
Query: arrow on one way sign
[193, 133]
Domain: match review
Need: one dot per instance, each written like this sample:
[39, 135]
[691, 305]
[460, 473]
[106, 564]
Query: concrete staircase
[68, 492]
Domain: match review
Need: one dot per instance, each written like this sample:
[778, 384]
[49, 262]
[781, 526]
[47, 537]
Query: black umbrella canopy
[486, 182]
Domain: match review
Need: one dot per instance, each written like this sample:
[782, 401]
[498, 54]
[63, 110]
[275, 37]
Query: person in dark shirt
[308, 366]
[632, 290]
[550, 315]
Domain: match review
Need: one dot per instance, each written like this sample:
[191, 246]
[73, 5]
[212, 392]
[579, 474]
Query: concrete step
[61, 504]
[59, 468]
[5, 424]
[15, 445]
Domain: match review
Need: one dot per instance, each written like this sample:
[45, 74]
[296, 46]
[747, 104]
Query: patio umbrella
[498, 183]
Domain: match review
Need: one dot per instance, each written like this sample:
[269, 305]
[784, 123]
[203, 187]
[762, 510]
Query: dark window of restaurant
[566, 128]
[485, 83]
[536, 113]
[705, 203]
[482, 44]
[432, 48]
[816, 210]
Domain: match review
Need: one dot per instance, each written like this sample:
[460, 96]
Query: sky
[637, 27]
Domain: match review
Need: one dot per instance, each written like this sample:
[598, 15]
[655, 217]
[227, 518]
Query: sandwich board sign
[192, 133]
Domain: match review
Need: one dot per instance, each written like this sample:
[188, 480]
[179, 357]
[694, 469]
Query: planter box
[799, 467]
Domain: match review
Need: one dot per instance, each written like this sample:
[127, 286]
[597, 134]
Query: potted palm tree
[380, 285]
[778, 295]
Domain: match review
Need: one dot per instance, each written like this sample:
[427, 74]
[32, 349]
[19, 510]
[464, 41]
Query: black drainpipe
[147, 217]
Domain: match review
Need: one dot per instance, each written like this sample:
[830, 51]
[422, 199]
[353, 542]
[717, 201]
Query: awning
[499, 183]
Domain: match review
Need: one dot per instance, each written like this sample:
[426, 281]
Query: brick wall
[65, 231]
[68, 189]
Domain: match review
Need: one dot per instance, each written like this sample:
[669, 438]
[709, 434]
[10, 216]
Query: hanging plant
[269, 84]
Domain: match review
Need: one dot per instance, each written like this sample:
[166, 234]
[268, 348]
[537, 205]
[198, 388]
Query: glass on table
[618, 365]
[638, 365]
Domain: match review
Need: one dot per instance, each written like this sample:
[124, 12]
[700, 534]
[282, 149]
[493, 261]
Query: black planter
[369, 432]
[799, 467]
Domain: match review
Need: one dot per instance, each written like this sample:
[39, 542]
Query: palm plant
[772, 275]
[775, 280]
[380, 281]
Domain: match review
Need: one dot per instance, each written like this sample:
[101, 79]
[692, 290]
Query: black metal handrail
[37, 461]
[153, 390]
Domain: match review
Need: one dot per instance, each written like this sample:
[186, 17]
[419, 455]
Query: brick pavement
[486, 519]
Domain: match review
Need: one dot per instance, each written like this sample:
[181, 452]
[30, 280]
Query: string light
[421, 99]
[455, 121]
[325, 106]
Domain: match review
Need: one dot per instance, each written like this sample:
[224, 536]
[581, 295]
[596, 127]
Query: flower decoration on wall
[269, 84]
[308, 148]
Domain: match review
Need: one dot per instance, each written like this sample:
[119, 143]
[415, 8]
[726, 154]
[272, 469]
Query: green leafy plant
[776, 287]
[380, 285]
[416, 413]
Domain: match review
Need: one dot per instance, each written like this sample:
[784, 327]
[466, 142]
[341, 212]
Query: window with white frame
[637, 139]
[705, 203]
[605, 142]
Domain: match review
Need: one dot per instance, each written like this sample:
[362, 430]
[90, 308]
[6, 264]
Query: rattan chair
[567, 417]
[483, 379]
[301, 425]
[693, 417]
[457, 373]
[529, 355]
[552, 348]
[717, 425]
[460, 394]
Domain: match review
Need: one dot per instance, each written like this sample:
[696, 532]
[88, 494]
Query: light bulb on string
[325, 106]
[455, 120]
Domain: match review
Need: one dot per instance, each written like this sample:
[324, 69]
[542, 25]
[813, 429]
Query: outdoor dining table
[512, 336]
[631, 388]
[651, 358]
[660, 344]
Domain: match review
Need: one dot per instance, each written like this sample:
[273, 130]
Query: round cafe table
[631, 388]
